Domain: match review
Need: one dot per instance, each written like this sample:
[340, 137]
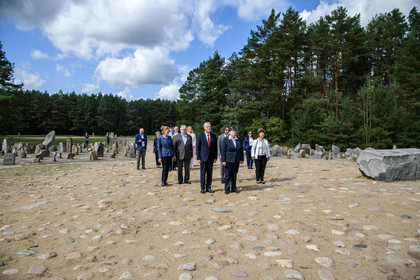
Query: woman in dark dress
[232, 155]
[166, 152]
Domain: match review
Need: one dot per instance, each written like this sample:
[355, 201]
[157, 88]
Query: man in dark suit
[184, 153]
[206, 149]
[141, 141]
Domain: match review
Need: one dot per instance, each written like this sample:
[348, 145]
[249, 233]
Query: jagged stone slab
[390, 165]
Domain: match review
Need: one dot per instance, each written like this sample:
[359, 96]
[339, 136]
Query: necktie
[208, 140]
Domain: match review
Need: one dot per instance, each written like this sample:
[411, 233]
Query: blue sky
[139, 48]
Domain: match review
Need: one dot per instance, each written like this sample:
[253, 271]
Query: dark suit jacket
[230, 153]
[183, 151]
[204, 152]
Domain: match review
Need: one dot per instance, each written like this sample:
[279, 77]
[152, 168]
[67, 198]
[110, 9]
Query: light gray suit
[183, 154]
[219, 154]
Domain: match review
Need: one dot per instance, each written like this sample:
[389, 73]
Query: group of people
[174, 148]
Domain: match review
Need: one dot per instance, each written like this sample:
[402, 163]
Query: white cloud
[125, 94]
[146, 66]
[63, 69]
[366, 8]
[207, 31]
[29, 80]
[37, 54]
[252, 10]
[170, 92]
[94, 28]
[90, 88]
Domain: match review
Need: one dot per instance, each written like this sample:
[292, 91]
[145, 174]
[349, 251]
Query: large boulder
[49, 139]
[276, 151]
[390, 165]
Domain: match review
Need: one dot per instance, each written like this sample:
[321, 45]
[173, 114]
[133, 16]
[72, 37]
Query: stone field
[313, 219]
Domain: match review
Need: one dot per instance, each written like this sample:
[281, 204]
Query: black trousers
[260, 164]
[206, 174]
[231, 172]
[166, 164]
[157, 158]
[183, 163]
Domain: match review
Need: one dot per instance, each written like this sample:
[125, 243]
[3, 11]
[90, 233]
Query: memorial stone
[335, 152]
[308, 149]
[298, 147]
[49, 139]
[99, 149]
[93, 155]
[6, 148]
[62, 148]
[69, 144]
[74, 149]
[390, 165]
[277, 151]
[132, 151]
[9, 159]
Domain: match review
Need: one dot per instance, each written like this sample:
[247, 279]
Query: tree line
[329, 82]
[332, 81]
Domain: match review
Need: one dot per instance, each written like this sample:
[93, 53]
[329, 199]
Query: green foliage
[330, 82]
[275, 127]
[309, 122]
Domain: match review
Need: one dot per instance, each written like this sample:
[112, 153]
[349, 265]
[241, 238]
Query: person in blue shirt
[155, 149]
[107, 139]
[86, 140]
[141, 141]
[166, 152]
[232, 156]
[249, 140]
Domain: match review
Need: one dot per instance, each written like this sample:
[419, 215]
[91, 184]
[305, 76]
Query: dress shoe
[210, 191]
[223, 181]
[262, 182]
[226, 192]
[163, 184]
[187, 182]
[179, 183]
[143, 167]
[203, 191]
[235, 191]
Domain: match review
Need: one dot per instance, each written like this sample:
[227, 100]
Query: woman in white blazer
[260, 153]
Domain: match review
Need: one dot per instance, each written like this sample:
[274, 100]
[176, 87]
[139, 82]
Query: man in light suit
[219, 150]
[183, 152]
[206, 149]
